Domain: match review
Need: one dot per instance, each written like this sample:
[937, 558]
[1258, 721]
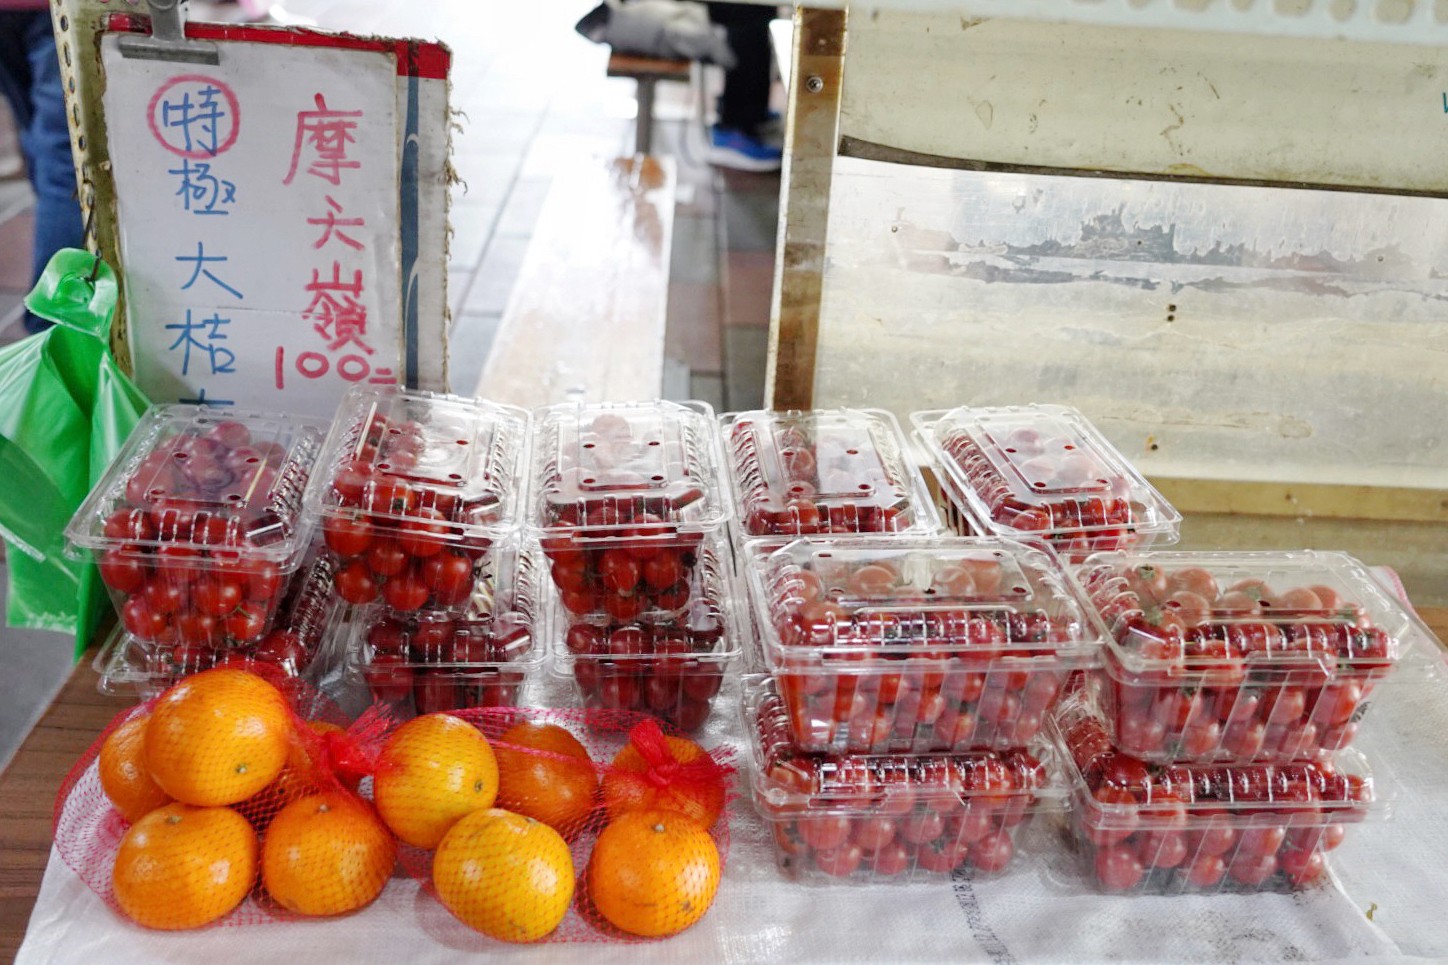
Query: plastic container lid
[498, 629]
[1170, 612]
[1118, 790]
[1042, 471]
[208, 480]
[787, 780]
[835, 471]
[622, 469]
[846, 602]
[397, 453]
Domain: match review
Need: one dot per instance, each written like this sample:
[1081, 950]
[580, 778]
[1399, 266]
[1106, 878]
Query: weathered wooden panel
[1214, 332]
[1149, 100]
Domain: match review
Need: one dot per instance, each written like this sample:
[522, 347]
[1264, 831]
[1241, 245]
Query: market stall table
[79, 713]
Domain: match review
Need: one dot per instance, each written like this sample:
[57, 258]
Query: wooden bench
[647, 71]
[585, 319]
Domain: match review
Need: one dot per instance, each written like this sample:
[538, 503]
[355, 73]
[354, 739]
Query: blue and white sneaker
[729, 148]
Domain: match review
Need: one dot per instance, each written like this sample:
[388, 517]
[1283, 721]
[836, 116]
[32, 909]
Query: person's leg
[58, 221]
[737, 139]
[744, 105]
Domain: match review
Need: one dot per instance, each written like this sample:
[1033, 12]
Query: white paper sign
[259, 208]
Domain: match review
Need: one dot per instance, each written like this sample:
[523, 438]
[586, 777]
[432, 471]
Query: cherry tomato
[283, 648]
[840, 862]
[218, 596]
[140, 619]
[619, 571]
[1118, 868]
[347, 536]
[246, 623]
[993, 852]
[422, 535]
[122, 571]
[824, 832]
[355, 583]
[405, 592]
[448, 574]
[386, 557]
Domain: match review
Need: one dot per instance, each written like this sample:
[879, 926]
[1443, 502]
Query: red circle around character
[225, 91]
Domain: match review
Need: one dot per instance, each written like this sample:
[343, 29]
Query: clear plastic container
[197, 526]
[1172, 828]
[918, 644]
[1242, 656]
[828, 471]
[622, 497]
[305, 643]
[1042, 472]
[670, 668]
[412, 489]
[423, 664]
[872, 818]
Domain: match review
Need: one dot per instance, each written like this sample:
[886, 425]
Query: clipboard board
[279, 203]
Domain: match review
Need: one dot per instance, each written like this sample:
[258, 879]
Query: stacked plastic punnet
[199, 532]
[1211, 751]
[840, 472]
[897, 730]
[626, 505]
[1042, 473]
[417, 494]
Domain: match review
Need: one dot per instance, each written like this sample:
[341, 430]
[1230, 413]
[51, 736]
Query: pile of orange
[215, 746]
[221, 793]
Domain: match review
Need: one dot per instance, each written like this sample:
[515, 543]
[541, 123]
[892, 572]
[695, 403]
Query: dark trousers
[744, 104]
[30, 81]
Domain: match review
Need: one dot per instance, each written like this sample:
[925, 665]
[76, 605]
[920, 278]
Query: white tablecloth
[1039, 911]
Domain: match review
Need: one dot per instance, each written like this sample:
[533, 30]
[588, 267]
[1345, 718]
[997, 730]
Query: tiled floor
[532, 97]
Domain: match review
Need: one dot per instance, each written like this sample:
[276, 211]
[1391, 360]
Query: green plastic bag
[65, 410]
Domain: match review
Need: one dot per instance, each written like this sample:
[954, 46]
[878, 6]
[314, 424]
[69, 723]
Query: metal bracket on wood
[167, 40]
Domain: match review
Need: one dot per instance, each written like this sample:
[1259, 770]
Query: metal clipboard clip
[167, 40]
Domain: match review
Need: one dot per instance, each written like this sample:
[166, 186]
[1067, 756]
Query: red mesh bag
[226, 787]
[261, 780]
[604, 825]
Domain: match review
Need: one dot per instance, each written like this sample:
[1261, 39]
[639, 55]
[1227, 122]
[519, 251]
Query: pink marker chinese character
[328, 132]
[333, 225]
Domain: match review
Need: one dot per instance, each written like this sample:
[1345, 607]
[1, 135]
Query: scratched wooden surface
[585, 320]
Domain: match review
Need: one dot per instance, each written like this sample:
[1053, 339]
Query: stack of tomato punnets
[1149, 827]
[837, 471]
[425, 663]
[413, 489]
[198, 527]
[1226, 675]
[302, 644]
[626, 504]
[923, 668]
[881, 816]
[1042, 472]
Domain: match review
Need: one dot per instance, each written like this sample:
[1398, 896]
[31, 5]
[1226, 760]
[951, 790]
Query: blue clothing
[30, 81]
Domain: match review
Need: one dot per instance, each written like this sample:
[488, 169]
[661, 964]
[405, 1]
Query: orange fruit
[123, 772]
[628, 785]
[182, 866]
[218, 737]
[653, 873]
[505, 875]
[326, 854]
[557, 785]
[433, 770]
[300, 777]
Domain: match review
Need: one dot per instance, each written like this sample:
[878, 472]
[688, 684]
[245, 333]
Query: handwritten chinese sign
[259, 207]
